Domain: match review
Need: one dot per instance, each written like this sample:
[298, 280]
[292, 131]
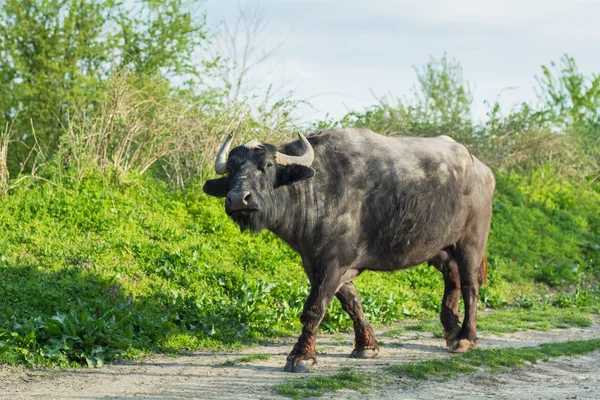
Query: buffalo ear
[294, 173]
[216, 187]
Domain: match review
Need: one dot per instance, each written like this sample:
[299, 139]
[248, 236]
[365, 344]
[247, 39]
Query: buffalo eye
[269, 165]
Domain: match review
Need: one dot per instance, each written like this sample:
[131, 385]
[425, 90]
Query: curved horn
[306, 159]
[222, 156]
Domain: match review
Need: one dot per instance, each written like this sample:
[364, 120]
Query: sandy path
[201, 375]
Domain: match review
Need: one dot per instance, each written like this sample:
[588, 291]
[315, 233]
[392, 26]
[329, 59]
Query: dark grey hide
[368, 202]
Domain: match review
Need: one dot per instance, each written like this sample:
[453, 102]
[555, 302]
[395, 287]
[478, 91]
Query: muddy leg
[365, 343]
[469, 264]
[303, 357]
[447, 265]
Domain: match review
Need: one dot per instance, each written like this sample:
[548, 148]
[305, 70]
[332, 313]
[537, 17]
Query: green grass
[540, 320]
[246, 359]
[510, 320]
[426, 369]
[393, 332]
[105, 269]
[492, 359]
[317, 386]
[544, 229]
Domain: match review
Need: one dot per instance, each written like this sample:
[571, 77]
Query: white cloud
[484, 12]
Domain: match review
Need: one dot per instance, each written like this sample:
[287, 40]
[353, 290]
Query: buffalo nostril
[247, 198]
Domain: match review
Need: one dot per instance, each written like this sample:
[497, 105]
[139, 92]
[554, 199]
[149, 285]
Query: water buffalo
[350, 200]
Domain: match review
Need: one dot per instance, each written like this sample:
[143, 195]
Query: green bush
[545, 228]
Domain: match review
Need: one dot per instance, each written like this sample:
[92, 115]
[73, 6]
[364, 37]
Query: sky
[342, 55]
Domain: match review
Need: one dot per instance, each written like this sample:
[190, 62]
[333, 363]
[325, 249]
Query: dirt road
[202, 375]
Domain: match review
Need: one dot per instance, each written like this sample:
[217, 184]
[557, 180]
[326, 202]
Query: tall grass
[4, 176]
[144, 124]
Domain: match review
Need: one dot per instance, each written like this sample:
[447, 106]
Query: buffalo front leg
[365, 343]
[303, 356]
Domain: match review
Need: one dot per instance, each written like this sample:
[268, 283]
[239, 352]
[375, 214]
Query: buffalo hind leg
[471, 267]
[448, 266]
[364, 337]
[303, 356]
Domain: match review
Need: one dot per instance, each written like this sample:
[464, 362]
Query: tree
[57, 55]
[440, 104]
[569, 97]
[244, 46]
[571, 103]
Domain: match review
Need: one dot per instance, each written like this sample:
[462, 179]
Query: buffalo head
[254, 174]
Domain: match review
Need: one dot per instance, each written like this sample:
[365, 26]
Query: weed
[318, 385]
[246, 359]
[511, 320]
[545, 319]
[426, 369]
[393, 332]
[492, 359]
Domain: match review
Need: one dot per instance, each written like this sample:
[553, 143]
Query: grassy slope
[91, 271]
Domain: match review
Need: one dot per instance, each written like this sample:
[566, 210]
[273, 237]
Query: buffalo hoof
[451, 337]
[364, 353]
[461, 346]
[301, 367]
